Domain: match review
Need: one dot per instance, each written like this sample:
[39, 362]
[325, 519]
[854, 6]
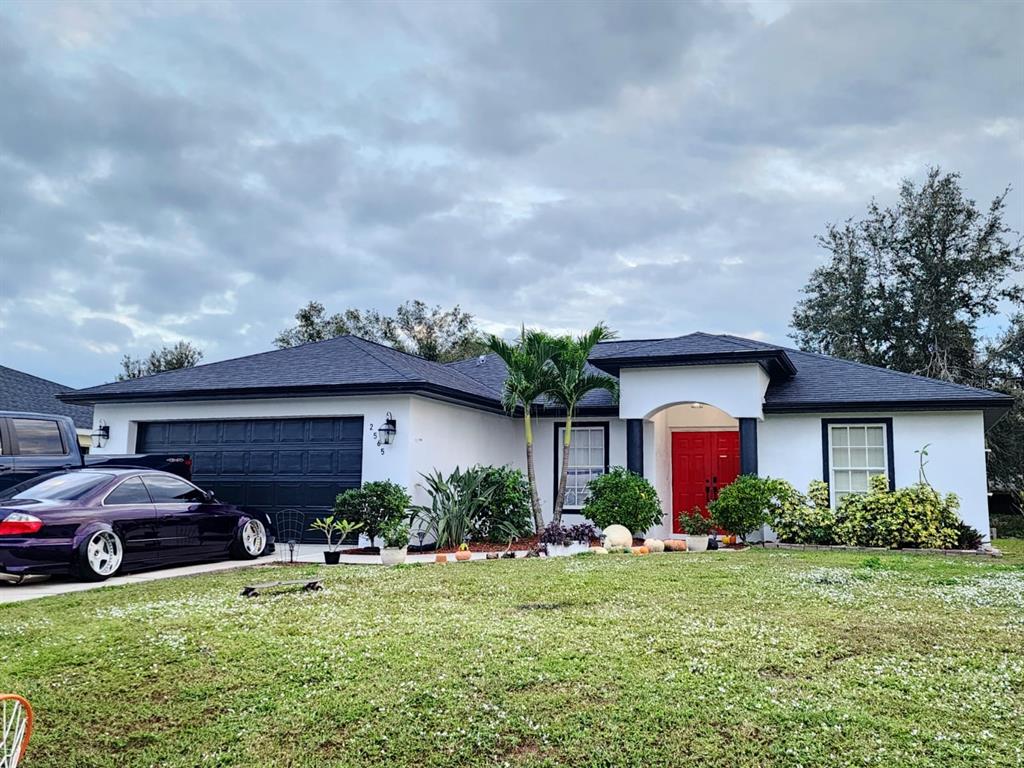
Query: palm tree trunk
[531, 474]
[563, 478]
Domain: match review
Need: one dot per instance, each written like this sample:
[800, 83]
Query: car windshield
[66, 486]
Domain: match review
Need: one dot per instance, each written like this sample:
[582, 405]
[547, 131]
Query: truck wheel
[251, 540]
[99, 556]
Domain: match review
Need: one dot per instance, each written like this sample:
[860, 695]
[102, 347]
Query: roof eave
[993, 408]
[425, 389]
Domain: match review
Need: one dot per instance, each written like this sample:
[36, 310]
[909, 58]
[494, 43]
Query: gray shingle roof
[346, 363]
[349, 364]
[24, 392]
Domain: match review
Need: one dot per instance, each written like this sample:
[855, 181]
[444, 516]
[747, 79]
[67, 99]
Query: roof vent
[480, 359]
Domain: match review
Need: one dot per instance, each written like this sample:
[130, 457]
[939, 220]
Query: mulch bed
[475, 546]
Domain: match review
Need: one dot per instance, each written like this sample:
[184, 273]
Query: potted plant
[395, 534]
[329, 526]
[463, 552]
[562, 541]
[697, 528]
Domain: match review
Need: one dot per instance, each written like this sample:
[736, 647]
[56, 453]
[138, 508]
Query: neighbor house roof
[24, 392]
[799, 381]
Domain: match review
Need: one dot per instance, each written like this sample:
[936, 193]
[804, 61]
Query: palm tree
[572, 379]
[529, 376]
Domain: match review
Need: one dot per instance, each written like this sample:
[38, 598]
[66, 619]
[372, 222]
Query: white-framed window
[588, 458]
[857, 452]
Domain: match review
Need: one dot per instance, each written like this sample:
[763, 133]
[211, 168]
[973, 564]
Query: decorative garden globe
[617, 536]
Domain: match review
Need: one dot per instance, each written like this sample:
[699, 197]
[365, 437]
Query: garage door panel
[267, 464]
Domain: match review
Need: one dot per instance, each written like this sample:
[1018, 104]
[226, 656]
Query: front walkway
[304, 553]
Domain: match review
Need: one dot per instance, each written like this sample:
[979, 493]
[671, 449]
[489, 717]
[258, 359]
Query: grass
[755, 658]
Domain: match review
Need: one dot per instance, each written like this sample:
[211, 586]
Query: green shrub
[749, 502]
[805, 519]
[508, 516]
[395, 533]
[1009, 526]
[915, 516]
[373, 505]
[967, 537]
[621, 497]
[480, 503]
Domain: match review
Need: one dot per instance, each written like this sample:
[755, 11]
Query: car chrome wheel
[104, 553]
[254, 538]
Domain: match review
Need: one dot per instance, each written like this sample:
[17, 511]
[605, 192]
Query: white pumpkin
[599, 550]
[655, 545]
[617, 536]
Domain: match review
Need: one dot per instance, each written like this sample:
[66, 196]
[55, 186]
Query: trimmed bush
[621, 497]
[508, 515]
[374, 505]
[915, 516]
[748, 502]
[1010, 526]
[805, 519]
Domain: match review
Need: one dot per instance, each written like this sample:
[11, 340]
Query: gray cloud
[175, 171]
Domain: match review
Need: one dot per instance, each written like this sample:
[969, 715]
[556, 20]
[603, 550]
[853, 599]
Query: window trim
[826, 458]
[557, 451]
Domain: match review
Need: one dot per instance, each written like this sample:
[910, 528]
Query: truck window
[38, 437]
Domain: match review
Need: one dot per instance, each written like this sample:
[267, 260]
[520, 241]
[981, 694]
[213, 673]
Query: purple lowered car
[92, 523]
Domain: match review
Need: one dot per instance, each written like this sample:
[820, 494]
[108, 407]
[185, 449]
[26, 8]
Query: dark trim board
[557, 448]
[826, 459]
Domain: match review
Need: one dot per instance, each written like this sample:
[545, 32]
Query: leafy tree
[572, 378]
[430, 332]
[747, 503]
[184, 354]
[1004, 360]
[907, 288]
[528, 376]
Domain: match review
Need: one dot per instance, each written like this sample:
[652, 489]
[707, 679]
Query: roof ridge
[753, 342]
[966, 387]
[383, 362]
[420, 359]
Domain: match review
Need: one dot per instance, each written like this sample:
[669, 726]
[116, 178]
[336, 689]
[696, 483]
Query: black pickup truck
[35, 443]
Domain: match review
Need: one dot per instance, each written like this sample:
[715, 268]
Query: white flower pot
[696, 543]
[392, 555]
[574, 548]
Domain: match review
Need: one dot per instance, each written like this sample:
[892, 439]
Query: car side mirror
[208, 497]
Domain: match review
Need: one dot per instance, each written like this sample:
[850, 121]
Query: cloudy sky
[200, 170]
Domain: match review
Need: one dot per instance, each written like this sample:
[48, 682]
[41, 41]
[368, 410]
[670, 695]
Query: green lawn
[751, 658]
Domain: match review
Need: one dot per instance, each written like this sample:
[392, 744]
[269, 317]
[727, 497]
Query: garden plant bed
[824, 658]
[875, 550]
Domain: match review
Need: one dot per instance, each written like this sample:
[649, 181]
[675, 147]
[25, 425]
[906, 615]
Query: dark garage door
[269, 464]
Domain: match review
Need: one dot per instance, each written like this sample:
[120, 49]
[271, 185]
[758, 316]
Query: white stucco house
[292, 427]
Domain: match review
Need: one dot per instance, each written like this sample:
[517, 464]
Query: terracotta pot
[463, 554]
[440, 558]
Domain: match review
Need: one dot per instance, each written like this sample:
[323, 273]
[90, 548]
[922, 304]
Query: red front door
[702, 464]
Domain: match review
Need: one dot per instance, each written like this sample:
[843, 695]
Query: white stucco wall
[789, 446]
[736, 389]
[446, 436]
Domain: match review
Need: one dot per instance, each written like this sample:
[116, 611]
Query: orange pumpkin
[439, 558]
[640, 550]
[463, 554]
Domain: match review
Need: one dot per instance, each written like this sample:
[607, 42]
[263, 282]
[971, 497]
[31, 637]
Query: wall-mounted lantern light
[101, 434]
[386, 431]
